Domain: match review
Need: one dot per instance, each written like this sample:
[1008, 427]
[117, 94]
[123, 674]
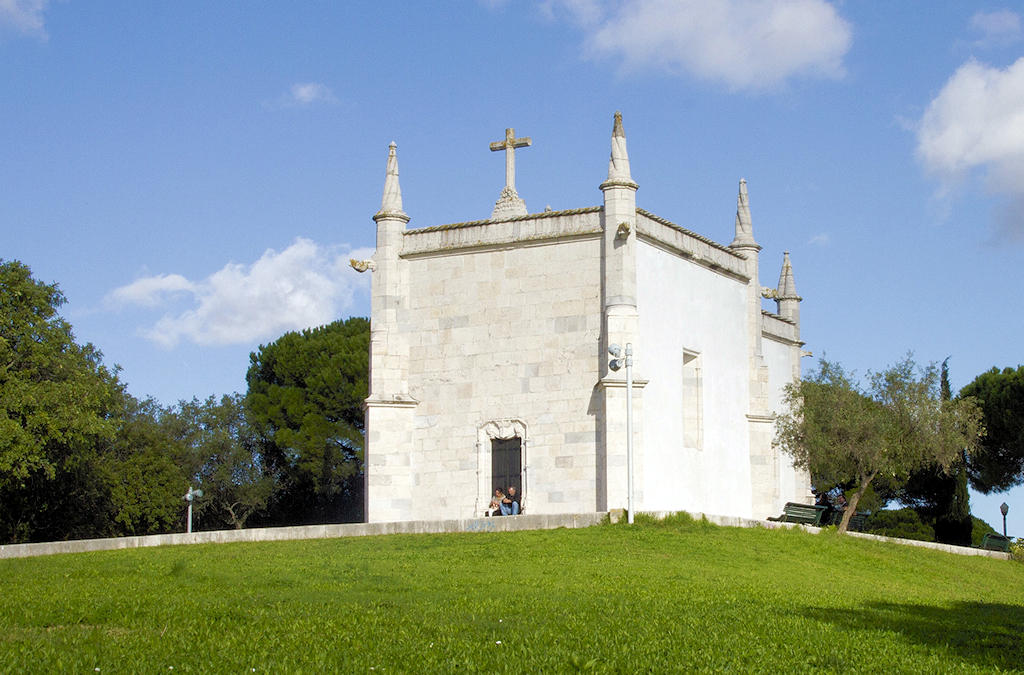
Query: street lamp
[191, 495]
[1004, 509]
[615, 364]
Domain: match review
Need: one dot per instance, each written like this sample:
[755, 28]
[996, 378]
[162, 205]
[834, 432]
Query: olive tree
[840, 431]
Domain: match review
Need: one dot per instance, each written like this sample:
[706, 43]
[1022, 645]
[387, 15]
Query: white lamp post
[615, 364]
[192, 494]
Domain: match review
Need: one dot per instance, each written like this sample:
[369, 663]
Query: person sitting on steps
[510, 503]
[494, 508]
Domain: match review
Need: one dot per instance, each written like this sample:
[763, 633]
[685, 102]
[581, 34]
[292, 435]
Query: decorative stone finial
[744, 226]
[391, 203]
[618, 164]
[509, 205]
[787, 286]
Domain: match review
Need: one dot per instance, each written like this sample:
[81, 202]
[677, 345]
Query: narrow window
[693, 401]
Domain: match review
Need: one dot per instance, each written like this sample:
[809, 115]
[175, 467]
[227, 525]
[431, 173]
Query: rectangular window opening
[693, 401]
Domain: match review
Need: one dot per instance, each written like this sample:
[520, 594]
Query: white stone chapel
[489, 360]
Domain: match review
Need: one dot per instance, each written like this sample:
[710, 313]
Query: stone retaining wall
[507, 524]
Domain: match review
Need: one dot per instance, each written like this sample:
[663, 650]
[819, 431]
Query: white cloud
[302, 95]
[747, 45]
[302, 286]
[149, 291]
[977, 119]
[976, 122]
[23, 16]
[820, 239]
[996, 29]
[308, 93]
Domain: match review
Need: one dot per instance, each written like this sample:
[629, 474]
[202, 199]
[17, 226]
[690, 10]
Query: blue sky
[196, 175]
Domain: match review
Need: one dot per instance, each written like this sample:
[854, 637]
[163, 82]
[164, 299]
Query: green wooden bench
[805, 514]
[857, 520]
[996, 542]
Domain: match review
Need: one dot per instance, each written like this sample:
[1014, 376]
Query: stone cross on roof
[509, 145]
[509, 204]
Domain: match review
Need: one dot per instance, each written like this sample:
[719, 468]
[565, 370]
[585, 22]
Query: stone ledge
[691, 246]
[497, 524]
[780, 329]
[734, 521]
[519, 231]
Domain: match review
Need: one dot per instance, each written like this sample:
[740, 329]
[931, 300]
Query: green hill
[672, 596]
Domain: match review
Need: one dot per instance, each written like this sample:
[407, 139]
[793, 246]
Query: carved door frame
[502, 429]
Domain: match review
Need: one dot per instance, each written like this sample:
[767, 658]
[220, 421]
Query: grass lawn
[654, 597]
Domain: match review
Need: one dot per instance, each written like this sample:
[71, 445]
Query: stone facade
[497, 331]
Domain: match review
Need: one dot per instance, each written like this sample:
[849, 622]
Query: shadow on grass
[984, 634]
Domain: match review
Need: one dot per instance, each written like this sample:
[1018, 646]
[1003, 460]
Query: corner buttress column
[764, 459]
[389, 408]
[621, 327]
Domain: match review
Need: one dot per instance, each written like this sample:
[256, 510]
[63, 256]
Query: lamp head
[1004, 509]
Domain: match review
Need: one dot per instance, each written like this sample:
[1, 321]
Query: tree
[80, 457]
[160, 451]
[142, 473]
[901, 523]
[940, 496]
[999, 464]
[305, 401]
[56, 400]
[221, 450]
[838, 431]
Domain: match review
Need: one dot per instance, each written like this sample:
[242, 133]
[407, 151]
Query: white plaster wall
[779, 357]
[683, 305]
[505, 333]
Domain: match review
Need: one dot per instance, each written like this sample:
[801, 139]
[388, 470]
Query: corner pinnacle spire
[391, 203]
[744, 226]
[618, 164]
[787, 287]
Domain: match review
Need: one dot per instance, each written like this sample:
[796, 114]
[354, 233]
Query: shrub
[979, 530]
[901, 523]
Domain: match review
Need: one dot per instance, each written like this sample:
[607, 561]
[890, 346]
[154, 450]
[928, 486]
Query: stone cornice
[779, 329]
[620, 383]
[619, 183]
[534, 229]
[691, 246]
[773, 315]
[530, 216]
[689, 233]
[788, 341]
[391, 215]
[755, 247]
[390, 403]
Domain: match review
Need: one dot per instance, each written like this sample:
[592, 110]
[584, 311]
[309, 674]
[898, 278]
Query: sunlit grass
[676, 596]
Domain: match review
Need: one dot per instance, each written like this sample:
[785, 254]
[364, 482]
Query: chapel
[490, 360]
